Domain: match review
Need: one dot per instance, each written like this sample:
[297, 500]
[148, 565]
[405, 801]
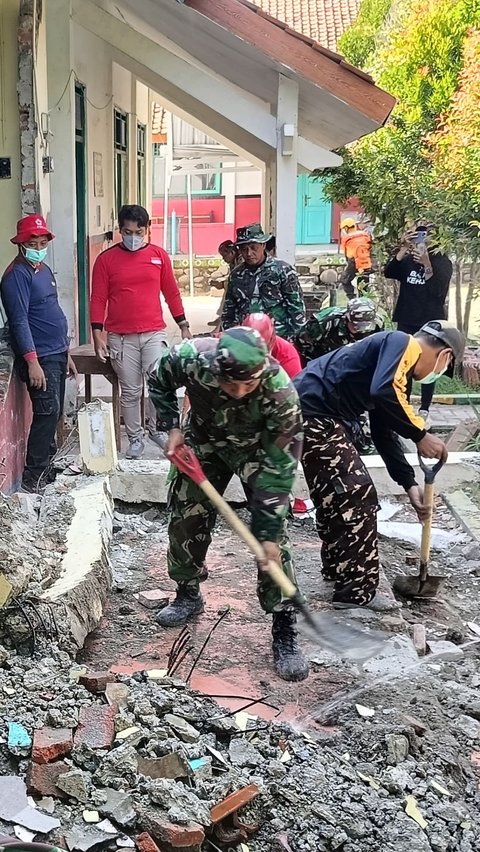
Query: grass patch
[446, 386]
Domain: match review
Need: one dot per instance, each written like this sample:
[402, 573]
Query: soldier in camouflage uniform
[244, 419]
[332, 328]
[263, 284]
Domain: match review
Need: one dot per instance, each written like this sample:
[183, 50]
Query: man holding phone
[424, 276]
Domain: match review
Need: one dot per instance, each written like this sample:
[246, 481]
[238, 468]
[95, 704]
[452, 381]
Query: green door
[314, 212]
[83, 290]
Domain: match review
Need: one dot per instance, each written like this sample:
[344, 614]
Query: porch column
[286, 168]
[61, 96]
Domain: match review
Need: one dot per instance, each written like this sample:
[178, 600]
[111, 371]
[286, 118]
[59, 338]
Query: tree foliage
[425, 161]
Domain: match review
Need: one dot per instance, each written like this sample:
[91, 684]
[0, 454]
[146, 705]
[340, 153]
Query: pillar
[285, 199]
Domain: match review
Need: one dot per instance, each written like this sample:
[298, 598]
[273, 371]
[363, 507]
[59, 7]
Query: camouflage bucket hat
[241, 355]
[251, 234]
[362, 313]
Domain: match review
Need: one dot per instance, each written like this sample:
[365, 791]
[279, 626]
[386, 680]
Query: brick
[42, 777]
[420, 639]
[51, 743]
[96, 727]
[171, 837]
[475, 759]
[153, 599]
[96, 681]
[233, 802]
[145, 843]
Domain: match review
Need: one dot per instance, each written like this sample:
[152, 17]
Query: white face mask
[432, 377]
[132, 242]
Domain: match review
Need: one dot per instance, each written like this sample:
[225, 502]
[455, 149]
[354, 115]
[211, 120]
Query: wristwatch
[184, 324]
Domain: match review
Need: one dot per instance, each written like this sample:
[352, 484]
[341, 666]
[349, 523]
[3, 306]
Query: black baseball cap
[450, 336]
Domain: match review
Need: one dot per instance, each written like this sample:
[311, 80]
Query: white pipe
[166, 176]
[190, 233]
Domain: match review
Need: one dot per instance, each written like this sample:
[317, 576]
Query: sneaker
[188, 602]
[135, 449]
[289, 662]
[380, 603]
[426, 416]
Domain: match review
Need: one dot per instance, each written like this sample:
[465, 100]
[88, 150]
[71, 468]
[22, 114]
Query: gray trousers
[131, 356]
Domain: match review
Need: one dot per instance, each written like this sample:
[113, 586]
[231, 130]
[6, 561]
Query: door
[314, 212]
[83, 290]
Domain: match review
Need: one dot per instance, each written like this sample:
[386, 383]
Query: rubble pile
[90, 760]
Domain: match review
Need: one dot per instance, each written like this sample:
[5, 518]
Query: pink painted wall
[15, 418]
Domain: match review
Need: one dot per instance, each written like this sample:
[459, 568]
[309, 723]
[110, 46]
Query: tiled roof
[322, 20]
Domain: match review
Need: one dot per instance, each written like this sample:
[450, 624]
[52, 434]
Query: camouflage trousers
[346, 506]
[192, 519]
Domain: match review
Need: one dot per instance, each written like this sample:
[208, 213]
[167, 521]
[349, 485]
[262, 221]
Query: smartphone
[419, 237]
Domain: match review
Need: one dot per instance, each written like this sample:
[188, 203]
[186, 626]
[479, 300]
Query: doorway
[83, 290]
[314, 212]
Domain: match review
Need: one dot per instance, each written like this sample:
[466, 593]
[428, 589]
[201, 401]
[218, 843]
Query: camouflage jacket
[259, 435]
[323, 332]
[272, 288]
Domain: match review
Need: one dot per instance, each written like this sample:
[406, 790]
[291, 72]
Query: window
[141, 168]
[208, 183]
[120, 147]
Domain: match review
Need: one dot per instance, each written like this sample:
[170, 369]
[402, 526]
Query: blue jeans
[47, 407]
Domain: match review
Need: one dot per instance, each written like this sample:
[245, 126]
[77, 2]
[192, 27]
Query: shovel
[425, 585]
[341, 639]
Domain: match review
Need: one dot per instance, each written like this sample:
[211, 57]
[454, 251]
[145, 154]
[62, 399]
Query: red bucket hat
[31, 226]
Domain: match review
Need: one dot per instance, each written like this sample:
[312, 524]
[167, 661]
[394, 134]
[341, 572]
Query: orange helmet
[264, 325]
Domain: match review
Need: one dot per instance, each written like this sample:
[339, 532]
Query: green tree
[418, 55]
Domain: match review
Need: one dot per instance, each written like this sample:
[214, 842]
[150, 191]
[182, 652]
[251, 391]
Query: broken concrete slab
[182, 728]
[74, 784]
[397, 655]
[85, 574]
[170, 766]
[84, 838]
[14, 807]
[465, 511]
[441, 539]
[117, 805]
[444, 650]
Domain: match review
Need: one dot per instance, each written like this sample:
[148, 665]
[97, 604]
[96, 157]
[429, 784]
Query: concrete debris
[444, 650]
[153, 599]
[83, 839]
[170, 766]
[117, 805]
[182, 728]
[74, 784]
[14, 807]
[442, 540]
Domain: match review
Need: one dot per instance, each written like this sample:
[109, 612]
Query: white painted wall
[9, 129]
[248, 183]
[93, 67]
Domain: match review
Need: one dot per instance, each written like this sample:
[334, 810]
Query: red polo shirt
[126, 288]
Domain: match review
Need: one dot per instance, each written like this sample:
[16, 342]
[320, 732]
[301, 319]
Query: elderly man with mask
[263, 284]
[127, 282]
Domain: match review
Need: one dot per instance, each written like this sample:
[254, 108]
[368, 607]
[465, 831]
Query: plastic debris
[19, 740]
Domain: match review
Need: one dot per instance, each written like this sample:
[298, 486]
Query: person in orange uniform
[357, 245]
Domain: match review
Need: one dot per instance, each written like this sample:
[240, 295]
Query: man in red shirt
[127, 281]
[282, 350]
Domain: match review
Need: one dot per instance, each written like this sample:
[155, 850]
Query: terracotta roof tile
[322, 20]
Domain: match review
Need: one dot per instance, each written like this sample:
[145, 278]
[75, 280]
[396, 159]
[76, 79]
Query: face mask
[132, 242]
[433, 376]
[35, 255]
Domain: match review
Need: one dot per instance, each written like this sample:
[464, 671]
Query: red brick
[96, 681]
[171, 837]
[145, 843]
[233, 802]
[50, 744]
[96, 726]
[42, 778]
[475, 759]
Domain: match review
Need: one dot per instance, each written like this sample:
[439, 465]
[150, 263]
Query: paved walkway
[450, 415]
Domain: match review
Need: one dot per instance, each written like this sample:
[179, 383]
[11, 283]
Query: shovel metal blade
[342, 639]
[414, 587]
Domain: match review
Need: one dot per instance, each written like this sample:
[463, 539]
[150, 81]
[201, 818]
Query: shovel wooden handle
[279, 578]
[428, 499]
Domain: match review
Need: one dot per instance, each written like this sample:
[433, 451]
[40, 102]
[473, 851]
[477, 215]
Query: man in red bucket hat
[39, 338]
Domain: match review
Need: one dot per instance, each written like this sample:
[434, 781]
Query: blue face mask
[132, 242]
[35, 255]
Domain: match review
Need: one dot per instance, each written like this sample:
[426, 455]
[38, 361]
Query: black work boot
[188, 602]
[290, 664]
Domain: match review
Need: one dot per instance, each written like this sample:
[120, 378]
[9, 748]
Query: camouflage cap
[251, 234]
[362, 313]
[241, 355]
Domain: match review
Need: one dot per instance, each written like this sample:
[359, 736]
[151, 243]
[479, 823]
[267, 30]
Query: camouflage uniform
[346, 504]
[271, 288]
[322, 333]
[258, 437]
